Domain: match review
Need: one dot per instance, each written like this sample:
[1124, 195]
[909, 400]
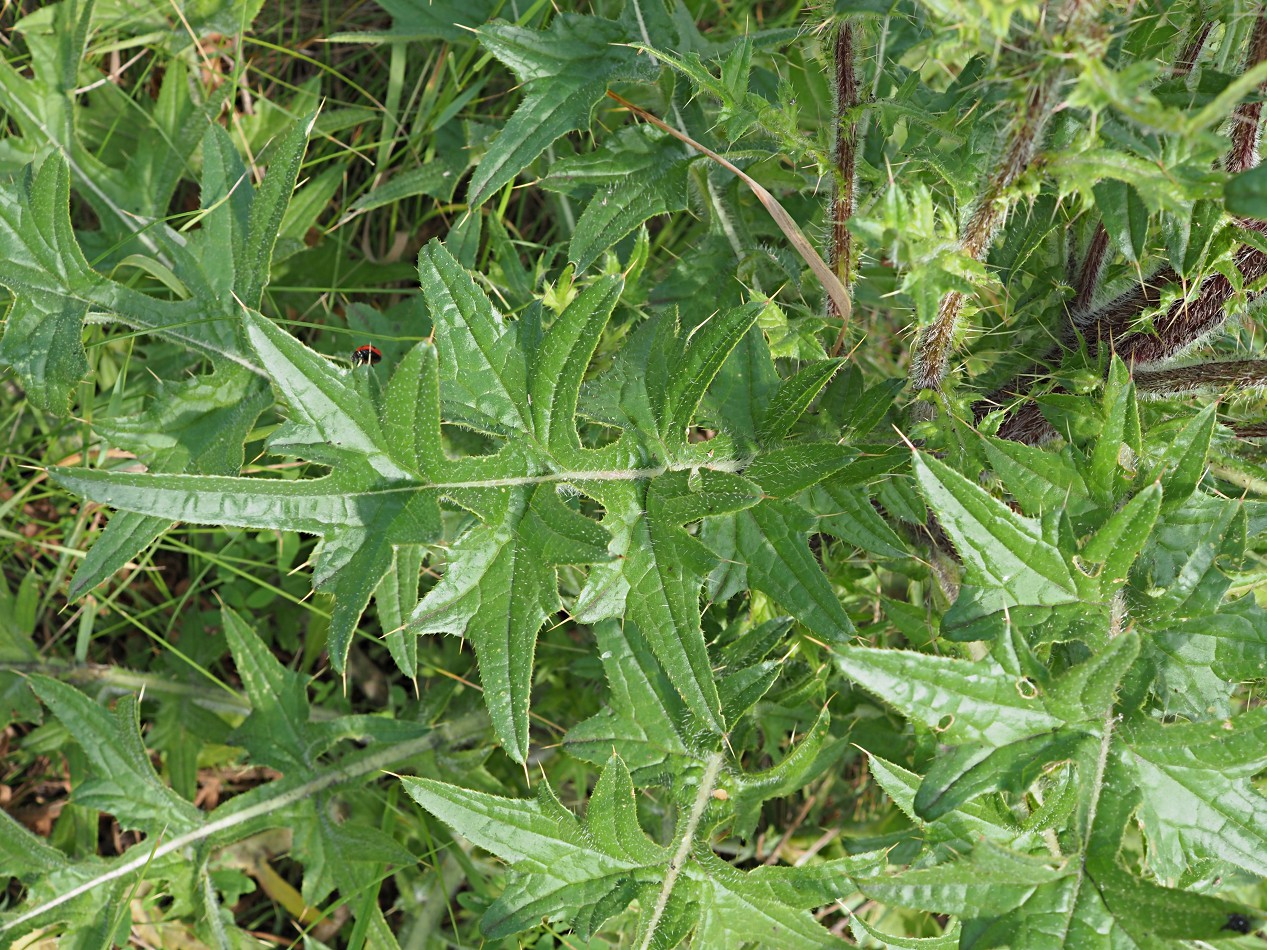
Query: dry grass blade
[831, 283]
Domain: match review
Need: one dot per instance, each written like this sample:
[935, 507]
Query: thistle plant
[638, 475]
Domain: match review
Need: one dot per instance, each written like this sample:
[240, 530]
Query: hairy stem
[932, 350]
[707, 782]
[1256, 430]
[844, 154]
[1089, 276]
[1204, 377]
[1184, 325]
[1192, 50]
[1245, 120]
[284, 793]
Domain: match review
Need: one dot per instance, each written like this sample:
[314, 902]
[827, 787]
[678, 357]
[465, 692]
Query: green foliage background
[644, 593]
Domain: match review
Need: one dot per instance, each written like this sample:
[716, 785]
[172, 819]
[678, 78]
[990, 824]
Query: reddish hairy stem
[1089, 276]
[1186, 323]
[1204, 377]
[1188, 58]
[1245, 120]
[845, 156]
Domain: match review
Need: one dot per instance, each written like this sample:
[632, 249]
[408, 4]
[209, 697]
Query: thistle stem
[931, 359]
[844, 154]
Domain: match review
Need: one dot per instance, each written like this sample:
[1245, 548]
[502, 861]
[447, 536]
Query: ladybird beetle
[366, 355]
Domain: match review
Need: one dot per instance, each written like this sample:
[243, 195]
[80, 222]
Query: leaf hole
[462, 441]
[1087, 568]
[598, 435]
[1027, 688]
[944, 723]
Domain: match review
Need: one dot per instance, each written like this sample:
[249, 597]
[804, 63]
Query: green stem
[286, 793]
[712, 768]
